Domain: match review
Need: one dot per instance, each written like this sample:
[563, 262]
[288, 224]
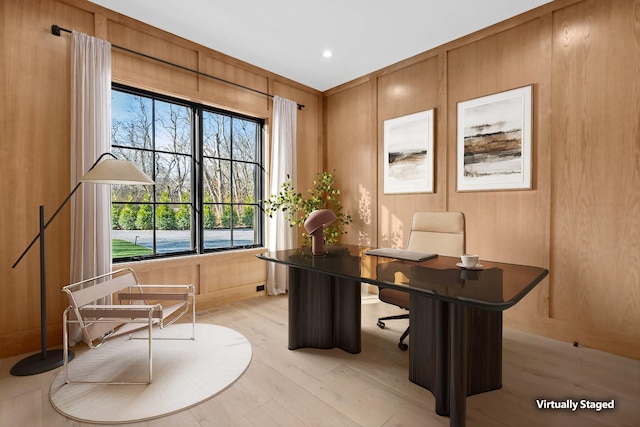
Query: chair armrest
[175, 294]
[187, 290]
[127, 296]
[121, 311]
[185, 287]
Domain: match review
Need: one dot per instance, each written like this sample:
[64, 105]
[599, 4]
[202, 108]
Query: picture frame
[408, 163]
[494, 142]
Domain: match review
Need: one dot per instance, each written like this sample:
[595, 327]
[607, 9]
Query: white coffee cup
[469, 260]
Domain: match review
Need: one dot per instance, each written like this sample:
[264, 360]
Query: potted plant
[297, 208]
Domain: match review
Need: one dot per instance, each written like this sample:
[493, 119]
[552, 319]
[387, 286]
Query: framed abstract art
[494, 142]
[408, 154]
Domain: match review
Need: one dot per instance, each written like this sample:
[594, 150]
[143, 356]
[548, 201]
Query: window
[207, 168]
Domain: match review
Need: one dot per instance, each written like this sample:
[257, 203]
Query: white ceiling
[288, 37]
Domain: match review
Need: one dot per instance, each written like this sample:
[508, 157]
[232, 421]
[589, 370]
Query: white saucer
[475, 267]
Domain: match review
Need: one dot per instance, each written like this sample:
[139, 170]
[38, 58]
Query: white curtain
[283, 160]
[90, 137]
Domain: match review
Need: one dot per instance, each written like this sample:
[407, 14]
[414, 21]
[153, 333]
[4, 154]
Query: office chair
[436, 232]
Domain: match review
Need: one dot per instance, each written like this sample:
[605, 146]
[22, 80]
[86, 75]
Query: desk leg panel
[430, 348]
[324, 311]
[347, 316]
[458, 367]
[484, 331]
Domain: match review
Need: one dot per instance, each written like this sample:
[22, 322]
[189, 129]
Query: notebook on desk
[401, 254]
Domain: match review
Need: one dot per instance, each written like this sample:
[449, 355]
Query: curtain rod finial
[56, 29]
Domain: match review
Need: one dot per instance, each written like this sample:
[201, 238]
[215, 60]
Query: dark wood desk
[455, 315]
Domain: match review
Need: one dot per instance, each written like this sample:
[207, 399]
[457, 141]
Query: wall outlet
[259, 288]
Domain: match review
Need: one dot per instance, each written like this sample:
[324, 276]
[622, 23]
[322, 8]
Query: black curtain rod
[55, 30]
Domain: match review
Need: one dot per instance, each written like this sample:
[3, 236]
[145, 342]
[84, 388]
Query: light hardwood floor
[310, 387]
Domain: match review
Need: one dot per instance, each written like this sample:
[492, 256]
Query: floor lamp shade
[113, 171]
[109, 171]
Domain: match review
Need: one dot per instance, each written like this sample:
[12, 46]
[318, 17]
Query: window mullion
[154, 169]
[198, 181]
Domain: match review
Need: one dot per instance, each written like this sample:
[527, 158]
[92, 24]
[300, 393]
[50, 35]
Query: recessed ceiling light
[327, 53]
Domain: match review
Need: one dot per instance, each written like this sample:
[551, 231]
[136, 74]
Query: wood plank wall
[582, 217]
[35, 150]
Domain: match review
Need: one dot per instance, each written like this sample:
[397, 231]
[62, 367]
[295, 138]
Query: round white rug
[185, 373]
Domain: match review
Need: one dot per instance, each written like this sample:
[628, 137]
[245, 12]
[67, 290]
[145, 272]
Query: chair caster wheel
[402, 346]
[380, 324]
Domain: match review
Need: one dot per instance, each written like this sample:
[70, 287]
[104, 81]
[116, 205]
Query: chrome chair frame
[100, 322]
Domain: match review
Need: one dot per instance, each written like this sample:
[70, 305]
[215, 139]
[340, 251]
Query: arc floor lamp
[109, 171]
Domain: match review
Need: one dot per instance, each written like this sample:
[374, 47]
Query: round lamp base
[37, 364]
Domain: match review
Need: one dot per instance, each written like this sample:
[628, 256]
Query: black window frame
[197, 155]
